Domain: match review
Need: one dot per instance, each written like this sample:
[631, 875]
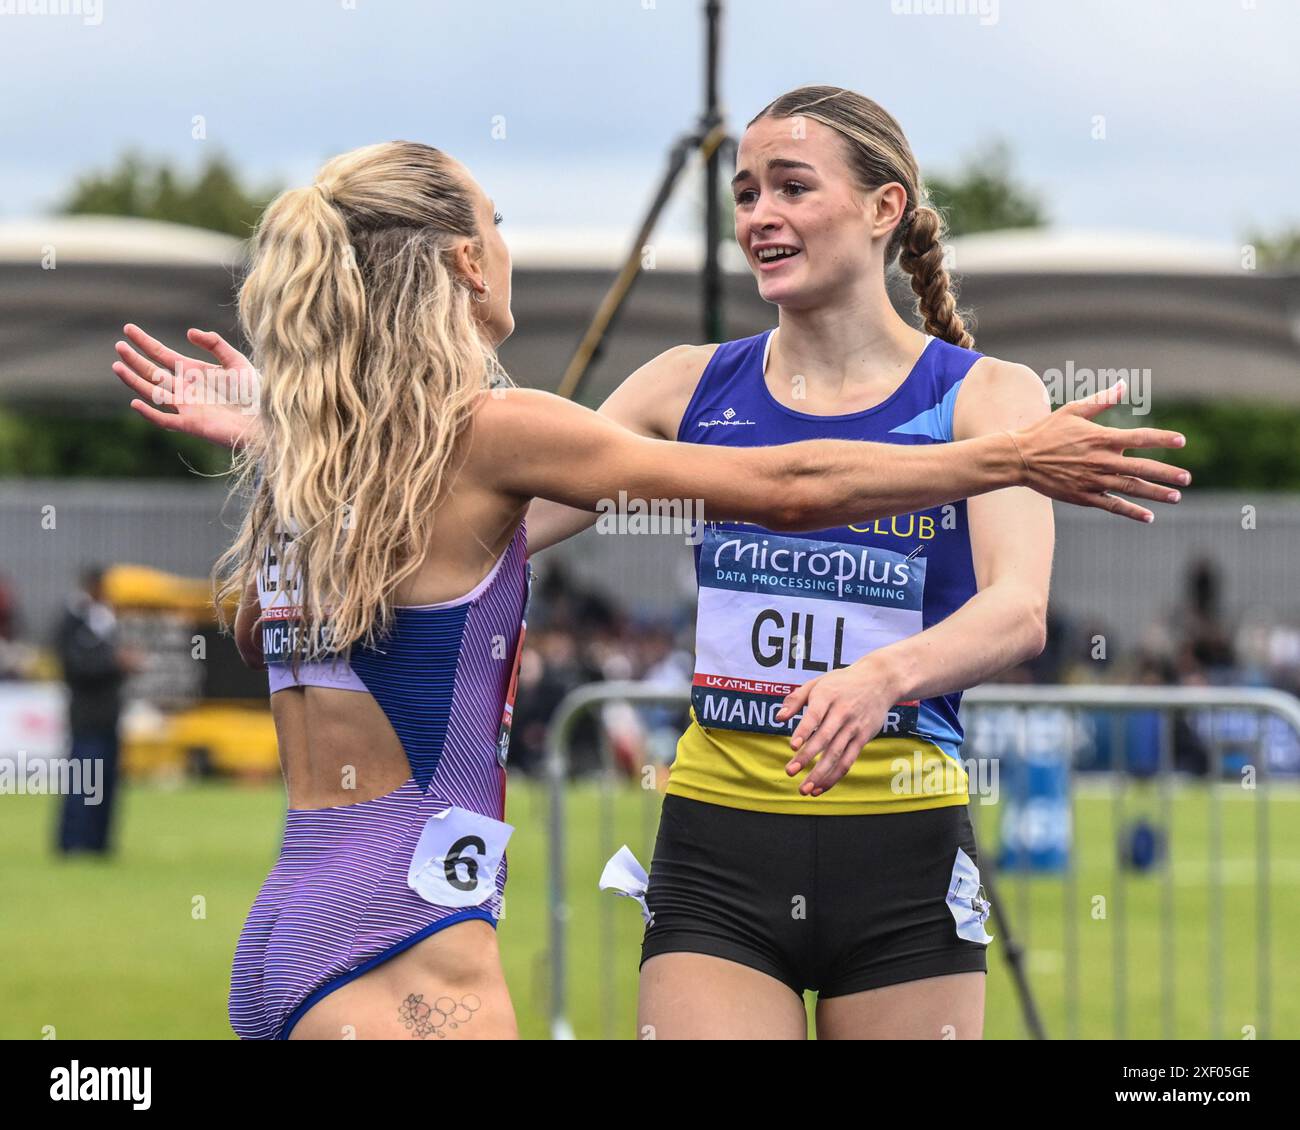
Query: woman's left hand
[842, 711]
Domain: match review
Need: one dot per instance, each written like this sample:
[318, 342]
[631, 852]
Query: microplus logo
[102, 1084]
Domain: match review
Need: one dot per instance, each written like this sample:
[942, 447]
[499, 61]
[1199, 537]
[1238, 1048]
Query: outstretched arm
[647, 403]
[549, 448]
[531, 444]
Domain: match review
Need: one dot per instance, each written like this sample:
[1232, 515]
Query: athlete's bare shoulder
[996, 394]
[653, 399]
[992, 374]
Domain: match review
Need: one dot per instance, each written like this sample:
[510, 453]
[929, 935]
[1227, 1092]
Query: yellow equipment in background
[196, 707]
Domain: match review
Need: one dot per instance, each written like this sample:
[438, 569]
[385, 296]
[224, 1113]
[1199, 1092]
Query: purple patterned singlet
[357, 884]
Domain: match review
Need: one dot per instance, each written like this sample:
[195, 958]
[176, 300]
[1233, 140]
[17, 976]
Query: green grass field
[140, 946]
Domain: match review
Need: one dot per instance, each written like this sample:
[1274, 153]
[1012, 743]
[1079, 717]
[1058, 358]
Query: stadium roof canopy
[1185, 309]
[1054, 251]
[1046, 250]
[115, 239]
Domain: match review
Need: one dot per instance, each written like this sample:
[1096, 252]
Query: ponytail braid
[372, 364]
[921, 258]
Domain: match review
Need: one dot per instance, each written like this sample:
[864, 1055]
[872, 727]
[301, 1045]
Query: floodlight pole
[712, 279]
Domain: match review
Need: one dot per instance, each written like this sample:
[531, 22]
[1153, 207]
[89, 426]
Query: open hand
[216, 401]
[1072, 459]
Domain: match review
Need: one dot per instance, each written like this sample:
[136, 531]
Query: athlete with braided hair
[816, 834]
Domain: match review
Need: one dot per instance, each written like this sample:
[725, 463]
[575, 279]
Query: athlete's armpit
[246, 635]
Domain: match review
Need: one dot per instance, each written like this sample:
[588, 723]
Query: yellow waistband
[743, 770]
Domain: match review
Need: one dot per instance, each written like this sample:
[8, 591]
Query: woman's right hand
[1072, 459]
[214, 401]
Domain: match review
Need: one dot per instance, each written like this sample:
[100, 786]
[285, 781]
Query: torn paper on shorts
[966, 900]
[625, 876]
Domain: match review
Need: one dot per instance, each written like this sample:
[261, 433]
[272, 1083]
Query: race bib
[970, 909]
[777, 611]
[458, 857]
[278, 591]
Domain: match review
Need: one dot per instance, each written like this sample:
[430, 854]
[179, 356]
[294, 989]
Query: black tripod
[710, 140]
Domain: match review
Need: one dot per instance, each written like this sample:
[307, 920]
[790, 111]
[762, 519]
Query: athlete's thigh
[449, 986]
[949, 1007]
[695, 996]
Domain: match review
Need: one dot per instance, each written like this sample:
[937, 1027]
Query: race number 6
[458, 858]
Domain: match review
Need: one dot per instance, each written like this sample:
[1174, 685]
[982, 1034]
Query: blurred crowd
[578, 635]
[1195, 644]
[18, 660]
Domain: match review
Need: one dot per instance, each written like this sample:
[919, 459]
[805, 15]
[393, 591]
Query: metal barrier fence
[1079, 703]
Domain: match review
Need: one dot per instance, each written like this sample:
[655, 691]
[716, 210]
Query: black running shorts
[838, 904]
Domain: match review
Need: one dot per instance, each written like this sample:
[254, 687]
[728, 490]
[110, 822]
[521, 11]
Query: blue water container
[1036, 832]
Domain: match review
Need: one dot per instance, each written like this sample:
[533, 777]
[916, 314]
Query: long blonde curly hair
[371, 361]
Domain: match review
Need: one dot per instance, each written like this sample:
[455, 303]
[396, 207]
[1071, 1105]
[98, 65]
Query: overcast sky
[1201, 98]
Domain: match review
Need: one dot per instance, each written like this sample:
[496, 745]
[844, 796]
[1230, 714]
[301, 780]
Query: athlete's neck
[845, 348]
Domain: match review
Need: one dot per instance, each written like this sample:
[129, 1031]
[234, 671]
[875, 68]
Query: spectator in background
[568, 606]
[1145, 727]
[667, 662]
[7, 631]
[1058, 659]
[1206, 644]
[555, 662]
[16, 659]
[94, 668]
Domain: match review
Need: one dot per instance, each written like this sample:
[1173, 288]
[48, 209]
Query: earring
[477, 297]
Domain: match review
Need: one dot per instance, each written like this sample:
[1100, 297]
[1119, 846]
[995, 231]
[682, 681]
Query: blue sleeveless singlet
[778, 609]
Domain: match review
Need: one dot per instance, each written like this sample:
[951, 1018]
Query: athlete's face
[796, 198]
[490, 265]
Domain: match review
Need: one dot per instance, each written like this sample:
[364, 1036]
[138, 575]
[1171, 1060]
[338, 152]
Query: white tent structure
[1188, 311]
[67, 283]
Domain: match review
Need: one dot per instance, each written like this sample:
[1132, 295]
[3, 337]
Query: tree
[213, 198]
[1279, 250]
[983, 194]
